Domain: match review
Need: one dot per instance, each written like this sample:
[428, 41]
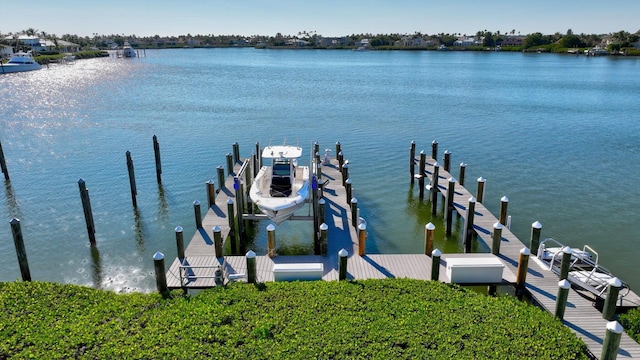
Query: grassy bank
[393, 318]
[52, 58]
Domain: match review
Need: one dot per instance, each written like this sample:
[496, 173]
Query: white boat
[20, 61]
[586, 275]
[282, 187]
[127, 50]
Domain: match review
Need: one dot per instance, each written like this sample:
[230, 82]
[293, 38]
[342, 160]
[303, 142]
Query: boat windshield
[282, 167]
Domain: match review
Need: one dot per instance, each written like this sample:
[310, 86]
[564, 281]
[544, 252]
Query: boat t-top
[282, 187]
[20, 61]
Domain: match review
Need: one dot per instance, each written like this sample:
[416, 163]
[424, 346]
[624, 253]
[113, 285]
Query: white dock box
[475, 269]
[299, 271]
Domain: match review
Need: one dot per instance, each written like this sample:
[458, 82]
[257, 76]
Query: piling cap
[217, 229]
[430, 226]
[497, 225]
[354, 200]
[271, 227]
[250, 254]
[481, 179]
[565, 284]
[348, 181]
[434, 142]
[615, 282]
[230, 202]
[536, 225]
[14, 221]
[452, 179]
[324, 227]
[436, 164]
[504, 199]
[472, 199]
[179, 229]
[321, 201]
[362, 226]
[436, 252]
[158, 256]
[196, 203]
[343, 253]
[615, 327]
[422, 152]
[447, 152]
[525, 251]
[462, 164]
[567, 250]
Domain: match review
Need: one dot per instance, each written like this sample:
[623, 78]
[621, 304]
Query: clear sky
[327, 17]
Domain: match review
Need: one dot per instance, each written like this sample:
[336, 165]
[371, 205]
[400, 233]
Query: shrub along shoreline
[398, 318]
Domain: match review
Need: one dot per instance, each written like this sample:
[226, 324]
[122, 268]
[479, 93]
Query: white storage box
[299, 271]
[475, 269]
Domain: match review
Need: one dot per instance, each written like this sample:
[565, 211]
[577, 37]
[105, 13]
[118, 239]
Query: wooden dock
[201, 261]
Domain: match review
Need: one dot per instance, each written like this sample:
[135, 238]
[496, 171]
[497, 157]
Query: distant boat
[127, 50]
[596, 51]
[283, 187]
[20, 61]
[69, 58]
[442, 47]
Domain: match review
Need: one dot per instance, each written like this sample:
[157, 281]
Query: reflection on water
[96, 267]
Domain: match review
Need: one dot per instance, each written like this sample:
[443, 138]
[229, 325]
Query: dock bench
[298, 271]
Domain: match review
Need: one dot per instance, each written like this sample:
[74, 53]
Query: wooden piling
[447, 160]
[321, 210]
[561, 299]
[316, 222]
[251, 267]
[354, 212]
[534, 243]
[434, 188]
[230, 163]
[180, 242]
[271, 241]
[435, 264]
[468, 224]
[362, 239]
[429, 235]
[434, 150]
[242, 234]
[613, 289]
[3, 164]
[340, 158]
[496, 238]
[504, 203]
[197, 213]
[211, 192]
[480, 191]
[156, 152]
[566, 262]
[348, 189]
[258, 159]
[523, 266]
[451, 190]
[345, 172]
[324, 237]
[463, 168]
[88, 214]
[232, 227]
[132, 179]
[221, 177]
[338, 148]
[412, 161]
[611, 342]
[217, 241]
[18, 241]
[236, 153]
[342, 264]
[161, 278]
[421, 175]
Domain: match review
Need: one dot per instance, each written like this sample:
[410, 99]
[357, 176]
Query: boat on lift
[282, 187]
[19, 62]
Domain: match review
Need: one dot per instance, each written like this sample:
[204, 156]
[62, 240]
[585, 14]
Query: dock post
[463, 168]
[271, 241]
[421, 166]
[345, 172]
[217, 241]
[230, 164]
[197, 213]
[132, 179]
[434, 188]
[496, 238]
[565, 264]
[156, 152]
[480, 191]
[504, 203]
[3, 164]
[161, 277]
[324, 237]
[340, 158]
[434, 150]
[412, 161]
[254, 164]
[435, 264]
[429, 235]
[613, 289]
[321, 210]
[354, 212]
[221, 177]
[319, 170]
[232, 227]
[18, 241]
[338, 148]
[362, 239]
[468, 226]
[561, 299]
[240, 212]
[451, 191]
[523, 266]
[447, 160]
[348, 189]
[251, 266]
[180, 242]
[88, 214]
[258, 159]
[236, 152]
[611, 341]
[316, 220]
[536, 227]
[342, 264]
[211, 192]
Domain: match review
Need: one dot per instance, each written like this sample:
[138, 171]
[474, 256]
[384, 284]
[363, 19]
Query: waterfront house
[5, 51]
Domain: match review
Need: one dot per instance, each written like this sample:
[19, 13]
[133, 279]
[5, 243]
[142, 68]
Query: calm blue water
[558, 135]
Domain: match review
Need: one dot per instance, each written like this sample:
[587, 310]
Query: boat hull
[279, 209]
[14, 68]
